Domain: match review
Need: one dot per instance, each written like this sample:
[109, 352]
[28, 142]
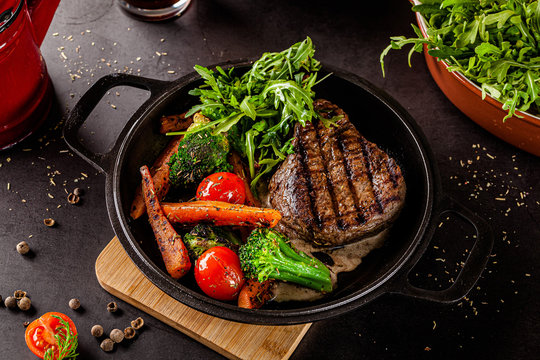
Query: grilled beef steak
[337, 187]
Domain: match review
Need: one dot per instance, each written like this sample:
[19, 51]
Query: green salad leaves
[259, 109]
[494, 43]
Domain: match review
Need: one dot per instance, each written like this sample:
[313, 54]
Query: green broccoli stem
[305, 275]
[299, 268]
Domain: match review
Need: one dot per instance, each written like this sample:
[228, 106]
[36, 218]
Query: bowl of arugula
[485, 57]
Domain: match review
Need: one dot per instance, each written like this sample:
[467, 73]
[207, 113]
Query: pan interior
[380, 122]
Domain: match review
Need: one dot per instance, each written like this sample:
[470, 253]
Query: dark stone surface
[498, 319]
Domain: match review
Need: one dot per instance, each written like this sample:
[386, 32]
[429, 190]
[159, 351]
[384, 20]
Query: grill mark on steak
[391, 164]
[323, 142]
[359, 217]
[369, 166]
[337, 187]
[307, 178]
[314, 166]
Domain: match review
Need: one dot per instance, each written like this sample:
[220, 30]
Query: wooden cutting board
[118, 275]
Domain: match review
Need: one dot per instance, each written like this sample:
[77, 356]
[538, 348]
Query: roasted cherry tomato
[40, 333]
[222, 186]
[218, 273]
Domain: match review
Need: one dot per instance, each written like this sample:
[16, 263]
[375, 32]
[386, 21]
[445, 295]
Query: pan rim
[272, 316]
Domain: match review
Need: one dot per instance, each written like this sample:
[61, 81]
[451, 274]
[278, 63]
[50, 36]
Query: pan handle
[88, 102]
[472, 269]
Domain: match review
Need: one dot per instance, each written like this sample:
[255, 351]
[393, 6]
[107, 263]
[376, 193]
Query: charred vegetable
[204, 237]
[219, 213]
[199, 155]
[170, 244]
[268, 255]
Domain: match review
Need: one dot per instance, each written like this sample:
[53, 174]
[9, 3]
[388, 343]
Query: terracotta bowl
[523, 132]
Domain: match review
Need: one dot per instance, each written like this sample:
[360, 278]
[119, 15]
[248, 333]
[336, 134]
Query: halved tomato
[40, 333]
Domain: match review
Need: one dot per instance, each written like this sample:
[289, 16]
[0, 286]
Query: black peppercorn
[97, 330]
[10, 302]
[74, 304]
[107, 345]
[73, 199]
[129, 333]
[23, 248]
[137, 323]
[25, 304]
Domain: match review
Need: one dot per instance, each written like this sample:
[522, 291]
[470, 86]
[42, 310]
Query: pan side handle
[472, 268]
[89, 101]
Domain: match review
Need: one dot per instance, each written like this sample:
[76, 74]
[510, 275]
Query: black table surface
[88, 39]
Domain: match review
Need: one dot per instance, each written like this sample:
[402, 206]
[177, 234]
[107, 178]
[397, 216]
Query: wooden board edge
[172, 323]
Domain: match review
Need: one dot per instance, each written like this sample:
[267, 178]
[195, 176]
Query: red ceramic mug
[26, 92]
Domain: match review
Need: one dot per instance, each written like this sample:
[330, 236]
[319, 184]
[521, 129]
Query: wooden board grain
[119, 276]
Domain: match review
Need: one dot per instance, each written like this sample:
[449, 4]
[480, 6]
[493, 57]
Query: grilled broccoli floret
[204, 237]
[268, 255]
[199, 155]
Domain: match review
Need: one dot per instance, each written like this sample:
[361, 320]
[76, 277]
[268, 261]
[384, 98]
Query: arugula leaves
[494, 43]
[259, 109]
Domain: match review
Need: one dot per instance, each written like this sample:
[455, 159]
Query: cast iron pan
[378, 117]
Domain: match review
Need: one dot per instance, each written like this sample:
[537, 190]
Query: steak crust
[337, 187]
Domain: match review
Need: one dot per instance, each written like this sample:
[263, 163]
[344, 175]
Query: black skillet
[378, 117]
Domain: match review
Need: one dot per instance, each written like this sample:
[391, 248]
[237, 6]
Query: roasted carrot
[240, 171]
[220, 213]
[173, 251]
[173, 123]
[160, 175]
[254, 294]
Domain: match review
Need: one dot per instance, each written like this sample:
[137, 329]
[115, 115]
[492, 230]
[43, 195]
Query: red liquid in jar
[25, 88]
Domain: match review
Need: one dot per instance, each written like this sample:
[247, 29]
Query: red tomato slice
[222, 186]
[40, 333]
[218, 273]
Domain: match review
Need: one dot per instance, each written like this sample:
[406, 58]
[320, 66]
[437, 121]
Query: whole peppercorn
[25, 304]
[97, 330]
[112, 307]
[23, 248]
[49, 222]
[19, 294]
[78, 192]
[137, 323]
[73, 199]
[129, 333]
[116, 335]
[74, 304]
[107, 345]
[10, 302]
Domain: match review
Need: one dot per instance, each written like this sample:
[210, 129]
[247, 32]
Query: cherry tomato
[40, 333]
[218, 273]
[222, 186]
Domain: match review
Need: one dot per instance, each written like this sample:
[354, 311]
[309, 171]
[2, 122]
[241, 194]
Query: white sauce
[345, 259]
